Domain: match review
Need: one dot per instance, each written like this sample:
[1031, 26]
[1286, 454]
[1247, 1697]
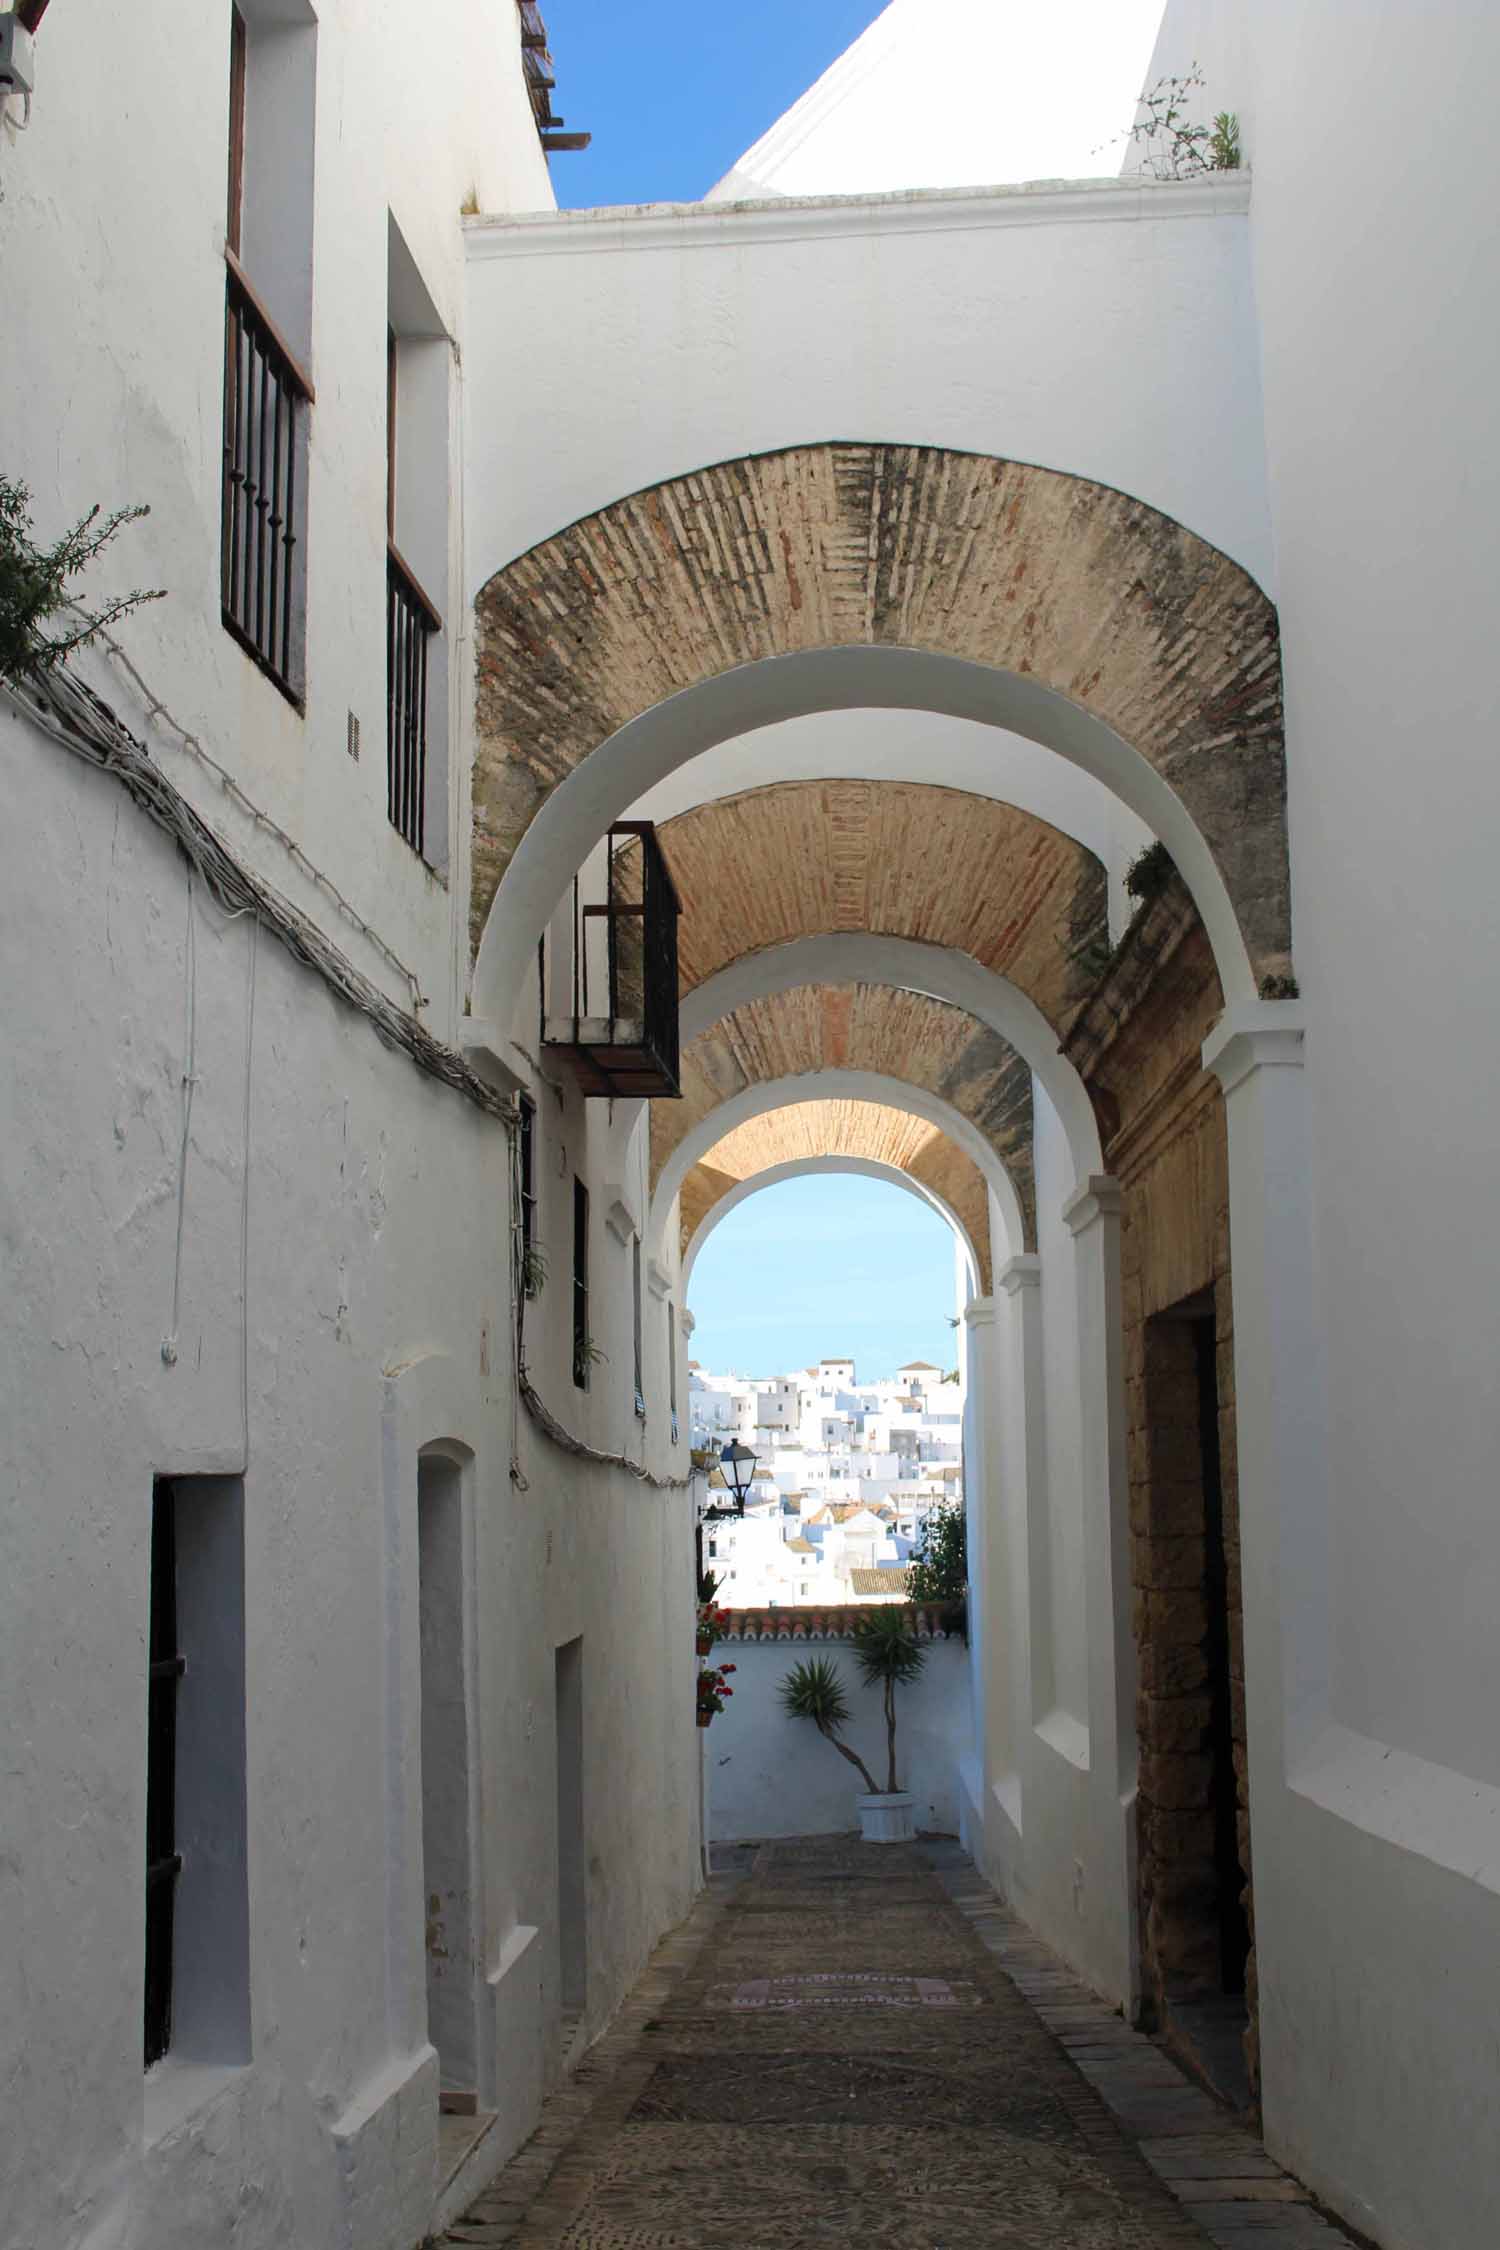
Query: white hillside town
[961, 656]
[847, 1475]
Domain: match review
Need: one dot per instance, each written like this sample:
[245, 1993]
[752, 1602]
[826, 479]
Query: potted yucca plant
[889, 1656]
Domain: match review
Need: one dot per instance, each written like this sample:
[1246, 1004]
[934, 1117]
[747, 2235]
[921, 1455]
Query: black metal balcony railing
[627, 942]
[410, 622]
[265, 395]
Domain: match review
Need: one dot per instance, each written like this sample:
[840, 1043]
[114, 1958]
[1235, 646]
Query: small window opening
[528, 1175]
[672, 1366]
[418, 369]
[583, 1348]
[163, 1860]
[268, 224]
[197, 1952]
[638, 1340]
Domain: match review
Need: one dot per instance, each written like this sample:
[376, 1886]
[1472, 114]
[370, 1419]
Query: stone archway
[1101, 625]
[848, 1112]
[731, 1196]
[847, 1136]
[902, 1035]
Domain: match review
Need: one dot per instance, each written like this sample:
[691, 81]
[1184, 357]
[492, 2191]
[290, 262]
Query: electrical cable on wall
[78, 719]
[156, 709]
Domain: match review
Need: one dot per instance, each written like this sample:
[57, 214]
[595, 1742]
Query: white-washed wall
[113, 336]
[1377, 1819]
[373, 1319]
[377, 1323]
[769, 1775]
[1109, 342]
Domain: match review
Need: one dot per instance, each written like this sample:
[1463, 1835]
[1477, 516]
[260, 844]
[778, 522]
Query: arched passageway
[846, 1113]
[907, 1035]
[760, 588]
[943, 954]
[730, 1188]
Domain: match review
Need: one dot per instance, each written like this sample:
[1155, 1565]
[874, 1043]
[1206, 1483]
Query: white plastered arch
[864, 957]
[577, 812]
[840, 1085]
[799, 1167]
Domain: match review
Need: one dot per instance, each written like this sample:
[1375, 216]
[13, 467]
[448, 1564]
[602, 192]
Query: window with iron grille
[582, 1342]
[197, 1907]
[527, 1137]
[267, 323]
[163, 1861]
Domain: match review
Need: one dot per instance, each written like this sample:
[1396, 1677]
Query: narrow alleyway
[846, 2044]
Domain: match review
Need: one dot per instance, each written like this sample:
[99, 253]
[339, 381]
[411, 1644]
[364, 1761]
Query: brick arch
[898, 858]
[870, 1132]
[925, 1043]
[1133, 629]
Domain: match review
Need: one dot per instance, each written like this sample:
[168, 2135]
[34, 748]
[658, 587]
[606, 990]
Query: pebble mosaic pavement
[938, 2080]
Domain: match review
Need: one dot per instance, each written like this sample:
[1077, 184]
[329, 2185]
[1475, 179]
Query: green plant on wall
[1172, 145]
[938, 1572]
[34, 584]
[586, 1355]
[1149, 872]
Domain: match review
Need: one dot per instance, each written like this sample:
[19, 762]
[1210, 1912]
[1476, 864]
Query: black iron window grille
[266, 394]
[165, 1668]
[410, 623]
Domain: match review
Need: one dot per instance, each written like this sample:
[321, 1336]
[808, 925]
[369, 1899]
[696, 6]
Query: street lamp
[735, 1470]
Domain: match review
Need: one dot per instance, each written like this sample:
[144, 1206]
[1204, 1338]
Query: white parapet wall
[769, 1775]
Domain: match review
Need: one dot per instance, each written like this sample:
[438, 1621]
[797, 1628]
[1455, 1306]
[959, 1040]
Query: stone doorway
[1195, 1899]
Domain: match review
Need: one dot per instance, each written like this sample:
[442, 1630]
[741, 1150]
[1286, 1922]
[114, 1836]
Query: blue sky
[828, 1265]
[673, 94]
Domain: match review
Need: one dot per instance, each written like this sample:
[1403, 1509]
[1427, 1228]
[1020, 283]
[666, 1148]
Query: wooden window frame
[413, 623]
[234, 217]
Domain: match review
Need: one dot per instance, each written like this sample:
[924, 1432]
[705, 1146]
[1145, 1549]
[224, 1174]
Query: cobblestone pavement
[856, 2043]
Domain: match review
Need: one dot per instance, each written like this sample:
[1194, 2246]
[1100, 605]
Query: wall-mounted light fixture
[17, 54]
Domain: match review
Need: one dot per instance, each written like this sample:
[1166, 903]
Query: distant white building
[847, 1474]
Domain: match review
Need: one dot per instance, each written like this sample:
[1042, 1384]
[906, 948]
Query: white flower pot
[886, 1819]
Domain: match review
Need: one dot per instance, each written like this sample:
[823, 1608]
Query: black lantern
[733, 1474]
[737, 1467]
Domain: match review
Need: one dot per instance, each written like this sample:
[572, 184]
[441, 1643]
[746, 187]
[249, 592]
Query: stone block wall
[1138, 1043]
